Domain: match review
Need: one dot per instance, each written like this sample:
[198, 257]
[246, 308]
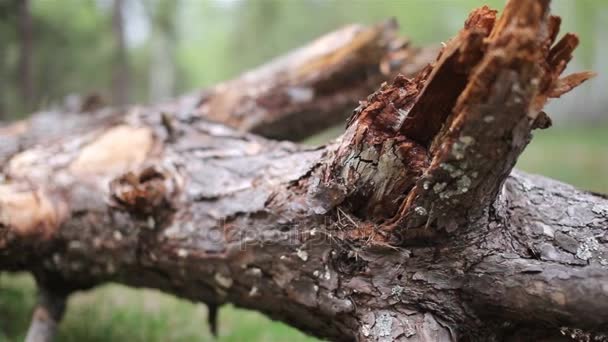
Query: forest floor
[573, 154]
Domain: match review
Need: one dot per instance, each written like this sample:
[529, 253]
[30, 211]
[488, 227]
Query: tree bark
[319, 77]
[411, 226]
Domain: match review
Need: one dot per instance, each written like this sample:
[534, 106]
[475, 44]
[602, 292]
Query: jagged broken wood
[411, 226]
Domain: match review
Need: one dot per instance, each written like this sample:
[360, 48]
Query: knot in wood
[147, 193]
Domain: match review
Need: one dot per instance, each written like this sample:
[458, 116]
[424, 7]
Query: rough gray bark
[411, 226]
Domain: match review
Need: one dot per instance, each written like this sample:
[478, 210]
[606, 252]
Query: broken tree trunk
[289, 98]
[411, 226]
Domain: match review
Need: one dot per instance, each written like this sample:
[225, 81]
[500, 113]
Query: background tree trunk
[411, 226]
[164, 44]
[25, 55]
[121, 73]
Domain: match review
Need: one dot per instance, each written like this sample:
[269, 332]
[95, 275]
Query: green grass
[118, 313]
[577, 155]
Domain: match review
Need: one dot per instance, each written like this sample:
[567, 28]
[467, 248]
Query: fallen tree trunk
[411, 226]
[289, 98]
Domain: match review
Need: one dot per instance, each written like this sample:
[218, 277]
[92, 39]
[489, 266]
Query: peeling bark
[344, 241]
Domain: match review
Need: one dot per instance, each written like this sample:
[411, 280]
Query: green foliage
[71, 40]
[68, 41]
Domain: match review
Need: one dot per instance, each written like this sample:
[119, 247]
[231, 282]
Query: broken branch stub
[440, 146]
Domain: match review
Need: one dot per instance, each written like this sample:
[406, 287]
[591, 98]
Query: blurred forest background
[149, 50]
[142, 51]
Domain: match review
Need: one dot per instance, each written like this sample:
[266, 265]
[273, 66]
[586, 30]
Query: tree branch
[46, 318]
[558, 276]
[290, 98]
[460, 125]
[316, 86]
